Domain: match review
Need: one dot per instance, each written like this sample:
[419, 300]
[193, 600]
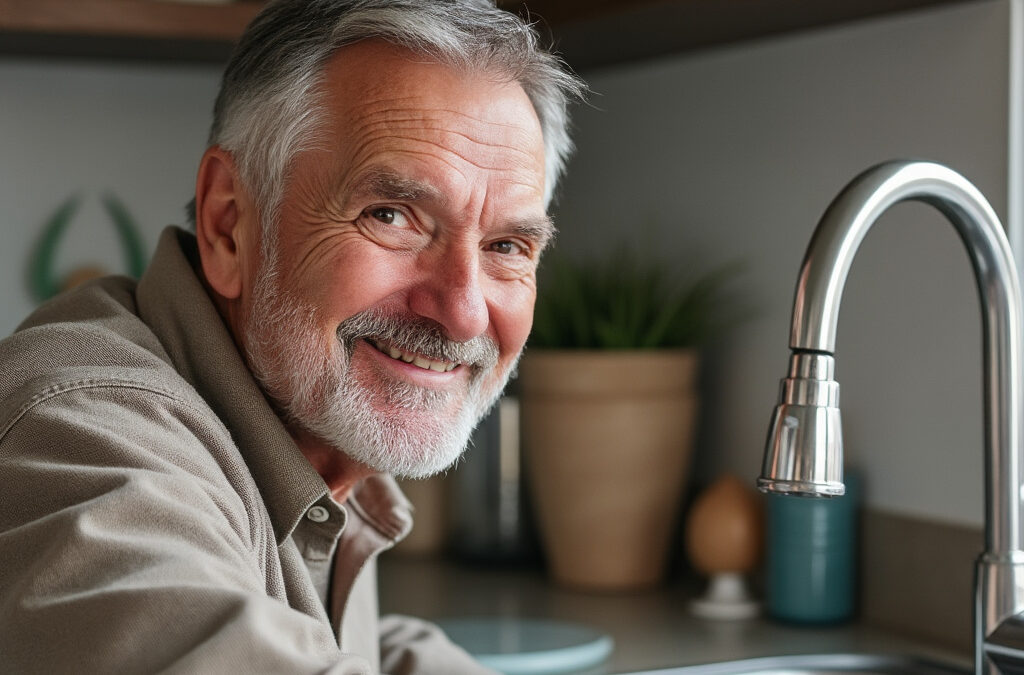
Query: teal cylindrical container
[811, 569]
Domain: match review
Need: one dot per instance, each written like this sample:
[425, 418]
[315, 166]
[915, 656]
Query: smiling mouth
[413, 359]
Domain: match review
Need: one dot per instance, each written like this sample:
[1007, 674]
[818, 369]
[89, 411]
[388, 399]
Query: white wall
[69, 127]
[735, 153]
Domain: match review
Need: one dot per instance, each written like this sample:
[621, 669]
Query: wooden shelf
[123, 28]
[589, 33]
[593, 33]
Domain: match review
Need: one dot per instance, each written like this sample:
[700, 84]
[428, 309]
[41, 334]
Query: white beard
[387, 424]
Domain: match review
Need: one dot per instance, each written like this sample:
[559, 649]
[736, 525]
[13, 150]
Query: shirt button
[318, 514]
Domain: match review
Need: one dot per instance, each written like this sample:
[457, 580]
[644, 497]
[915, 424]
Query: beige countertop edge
[651, 629]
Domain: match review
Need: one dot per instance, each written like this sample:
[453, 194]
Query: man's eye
[387, 215]
[506, 247]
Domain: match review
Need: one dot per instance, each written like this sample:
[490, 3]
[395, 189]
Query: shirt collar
[177, 308]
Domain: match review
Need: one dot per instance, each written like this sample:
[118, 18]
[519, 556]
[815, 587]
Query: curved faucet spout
[852, 213]
[804, 452]
[823, 275]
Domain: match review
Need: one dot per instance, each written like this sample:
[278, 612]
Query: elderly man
[195, 468]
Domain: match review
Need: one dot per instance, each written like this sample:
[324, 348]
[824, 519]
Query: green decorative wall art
[43, 280]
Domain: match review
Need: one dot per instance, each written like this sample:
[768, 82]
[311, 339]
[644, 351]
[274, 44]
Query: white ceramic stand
[727, 599]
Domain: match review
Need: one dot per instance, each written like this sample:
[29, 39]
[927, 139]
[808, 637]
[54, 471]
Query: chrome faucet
[804, 453]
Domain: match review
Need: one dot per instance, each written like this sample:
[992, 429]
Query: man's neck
[339, 471]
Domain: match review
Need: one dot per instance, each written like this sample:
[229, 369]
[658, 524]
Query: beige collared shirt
[155, 515]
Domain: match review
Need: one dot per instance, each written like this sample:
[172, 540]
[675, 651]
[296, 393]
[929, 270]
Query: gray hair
[269, 105]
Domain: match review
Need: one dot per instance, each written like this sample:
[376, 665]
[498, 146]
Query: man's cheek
[356, 281]
[517, 330]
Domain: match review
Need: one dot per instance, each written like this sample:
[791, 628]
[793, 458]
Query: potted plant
[609, 405]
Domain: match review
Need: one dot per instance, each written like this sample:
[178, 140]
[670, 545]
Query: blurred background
[716, 132]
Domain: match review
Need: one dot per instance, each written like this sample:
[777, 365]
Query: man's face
[402, 286]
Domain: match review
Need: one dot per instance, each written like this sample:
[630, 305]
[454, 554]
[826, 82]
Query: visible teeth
[415, 359]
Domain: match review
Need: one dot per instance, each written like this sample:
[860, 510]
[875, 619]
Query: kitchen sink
[811, 664]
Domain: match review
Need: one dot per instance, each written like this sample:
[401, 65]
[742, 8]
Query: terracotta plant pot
[607, 437]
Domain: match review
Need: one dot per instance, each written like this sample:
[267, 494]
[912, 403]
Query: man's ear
[225, 222]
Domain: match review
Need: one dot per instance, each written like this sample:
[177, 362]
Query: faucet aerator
[804, 452]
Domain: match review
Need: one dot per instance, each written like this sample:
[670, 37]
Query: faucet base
[999, 614]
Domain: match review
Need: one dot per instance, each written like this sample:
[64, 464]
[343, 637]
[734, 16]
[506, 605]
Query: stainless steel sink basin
[812, 664]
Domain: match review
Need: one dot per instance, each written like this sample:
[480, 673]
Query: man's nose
[451, 293]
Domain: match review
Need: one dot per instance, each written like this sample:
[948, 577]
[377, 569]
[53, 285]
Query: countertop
[652, 629]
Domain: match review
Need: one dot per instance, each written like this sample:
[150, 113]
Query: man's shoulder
[85, 382]
[92, 334]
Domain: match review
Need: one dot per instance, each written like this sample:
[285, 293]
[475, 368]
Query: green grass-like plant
[621, 303]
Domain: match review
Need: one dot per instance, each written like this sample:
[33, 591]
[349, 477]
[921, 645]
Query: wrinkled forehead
[382, 101]
[375, 83]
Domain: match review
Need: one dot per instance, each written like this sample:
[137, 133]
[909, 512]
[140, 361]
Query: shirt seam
[86, 383]
[59, 388]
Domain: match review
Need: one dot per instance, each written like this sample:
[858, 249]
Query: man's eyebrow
[389, 185]
[540, 229]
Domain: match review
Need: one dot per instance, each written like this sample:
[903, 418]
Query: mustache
[419, 335]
